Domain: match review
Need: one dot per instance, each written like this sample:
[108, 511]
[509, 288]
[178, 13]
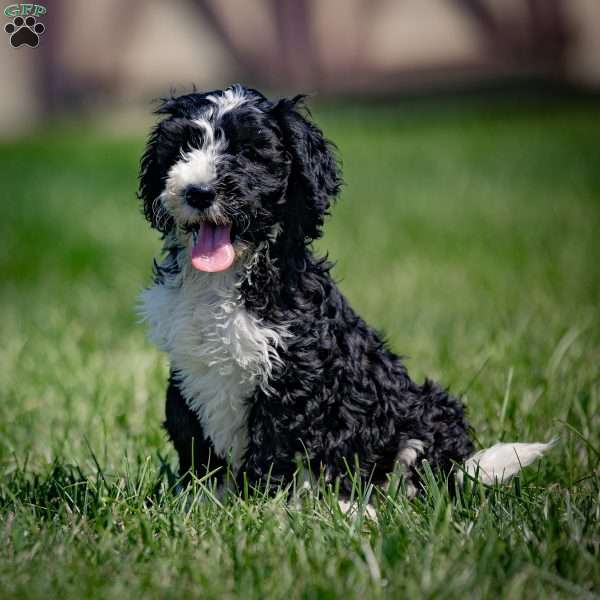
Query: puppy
[269, 363]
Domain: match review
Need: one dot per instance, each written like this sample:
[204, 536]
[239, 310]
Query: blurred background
[113, 57]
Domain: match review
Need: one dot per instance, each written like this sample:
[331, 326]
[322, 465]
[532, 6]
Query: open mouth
[212, 247]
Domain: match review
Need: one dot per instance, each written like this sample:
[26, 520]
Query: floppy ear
[314, 178]
[162, 150]
[150, 179]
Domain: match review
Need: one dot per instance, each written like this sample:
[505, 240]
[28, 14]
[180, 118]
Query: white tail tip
[501, 462]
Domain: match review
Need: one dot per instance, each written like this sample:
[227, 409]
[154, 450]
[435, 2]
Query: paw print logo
[24, 32]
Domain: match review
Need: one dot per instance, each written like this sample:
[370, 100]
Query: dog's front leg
[196, 453]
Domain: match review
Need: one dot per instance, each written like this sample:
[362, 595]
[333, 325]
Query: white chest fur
[219, 352]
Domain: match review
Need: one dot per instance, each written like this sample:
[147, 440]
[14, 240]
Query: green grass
[469, 235]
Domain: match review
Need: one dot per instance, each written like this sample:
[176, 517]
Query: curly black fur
[339, 397]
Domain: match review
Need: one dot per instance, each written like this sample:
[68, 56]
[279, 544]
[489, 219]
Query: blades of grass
[589, 444]
[505, 402]
[563, 346]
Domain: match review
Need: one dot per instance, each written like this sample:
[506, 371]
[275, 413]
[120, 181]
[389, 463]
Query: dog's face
[228, 170]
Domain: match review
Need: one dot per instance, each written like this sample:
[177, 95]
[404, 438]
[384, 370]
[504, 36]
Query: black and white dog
[269, 363]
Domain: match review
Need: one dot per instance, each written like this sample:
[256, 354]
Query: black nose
[200, 196]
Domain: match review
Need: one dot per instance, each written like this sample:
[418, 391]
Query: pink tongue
[213, 250]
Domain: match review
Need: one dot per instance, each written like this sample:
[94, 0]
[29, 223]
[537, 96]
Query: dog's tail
[501, 462]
